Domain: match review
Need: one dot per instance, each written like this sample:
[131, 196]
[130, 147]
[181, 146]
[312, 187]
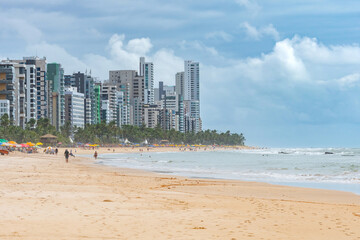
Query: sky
[283, 73]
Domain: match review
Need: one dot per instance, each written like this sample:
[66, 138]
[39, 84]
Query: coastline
[42, 197]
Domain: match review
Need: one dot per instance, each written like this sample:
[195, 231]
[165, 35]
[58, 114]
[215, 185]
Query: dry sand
[42, 197]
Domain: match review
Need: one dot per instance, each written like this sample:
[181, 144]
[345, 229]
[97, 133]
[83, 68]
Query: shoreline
[342, 187]
[42, 197]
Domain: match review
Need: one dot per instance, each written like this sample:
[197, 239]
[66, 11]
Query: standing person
[56, 151]
[95, 155]
[66, 154]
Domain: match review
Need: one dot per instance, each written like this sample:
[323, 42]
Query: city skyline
[128, 97]
[283, 73]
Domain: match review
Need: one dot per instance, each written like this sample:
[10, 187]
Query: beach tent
[48, 139]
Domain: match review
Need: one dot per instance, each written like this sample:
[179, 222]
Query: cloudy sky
[284, 73]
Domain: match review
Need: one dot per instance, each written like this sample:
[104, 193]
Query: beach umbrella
[30, 144]
[12, 142]
[3, 140]
[24, 145]
[39, 143]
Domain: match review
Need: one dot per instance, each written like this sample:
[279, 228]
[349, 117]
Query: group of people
[67, 154]
[51, 151]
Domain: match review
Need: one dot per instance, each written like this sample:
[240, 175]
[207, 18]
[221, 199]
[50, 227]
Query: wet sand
[42, 197]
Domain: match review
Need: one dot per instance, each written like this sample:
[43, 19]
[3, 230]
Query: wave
[300, 165]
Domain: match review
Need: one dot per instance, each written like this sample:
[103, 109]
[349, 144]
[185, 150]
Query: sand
[42, 197]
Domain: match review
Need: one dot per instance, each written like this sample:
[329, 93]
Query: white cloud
[251, 5]
[220, 35]
[125, 55]
[55, 53]
[251, 31]
[349, 80]
[271, 31]
[313, 51]
[23, 29]
[199, 46]
[286, 86]
[257, 34]
[166, 64]
[140, 46]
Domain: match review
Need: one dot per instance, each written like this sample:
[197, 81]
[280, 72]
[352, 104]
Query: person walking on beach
[56, 151]
[66, 154]
[95, 155]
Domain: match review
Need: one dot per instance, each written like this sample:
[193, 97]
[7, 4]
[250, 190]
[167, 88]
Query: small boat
[329, 153]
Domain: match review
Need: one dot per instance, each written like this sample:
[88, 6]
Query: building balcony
[5, 92]
[7, 81]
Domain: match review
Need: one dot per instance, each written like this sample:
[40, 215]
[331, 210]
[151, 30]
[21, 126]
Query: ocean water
[305, 167]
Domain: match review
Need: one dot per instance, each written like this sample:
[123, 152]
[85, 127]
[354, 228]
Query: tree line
[109, 133]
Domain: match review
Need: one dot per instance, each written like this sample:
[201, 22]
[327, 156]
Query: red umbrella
[24, 145]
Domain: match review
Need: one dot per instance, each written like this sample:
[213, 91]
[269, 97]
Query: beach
[42, 197]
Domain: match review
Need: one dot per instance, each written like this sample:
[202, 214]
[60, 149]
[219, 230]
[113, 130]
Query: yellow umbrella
[39, 143]
[30, 144]
[12, 142]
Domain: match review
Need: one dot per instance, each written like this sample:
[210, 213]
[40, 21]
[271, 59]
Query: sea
[324, 168]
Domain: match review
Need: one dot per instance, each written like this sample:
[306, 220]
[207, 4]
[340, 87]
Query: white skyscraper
[147, 70]
[30, 93]
[74, 107]
[191, 81]
[192, 96]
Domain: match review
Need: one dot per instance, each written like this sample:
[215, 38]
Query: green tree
[5, 121]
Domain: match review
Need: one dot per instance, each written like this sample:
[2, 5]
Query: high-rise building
[30, 93]
[124, 82]
[43, 89]
[161, 90]
[151, 115]
[179, 83]
[97, 102]
[55, 78]
[74, 107]
[191, 81]
[108, 103]
[9, 90]
[84, 83]
[179, 89]
[30, 89]
[12, 77]
[147, 71]
[192, 96]
[4, 106]
[137, 101]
